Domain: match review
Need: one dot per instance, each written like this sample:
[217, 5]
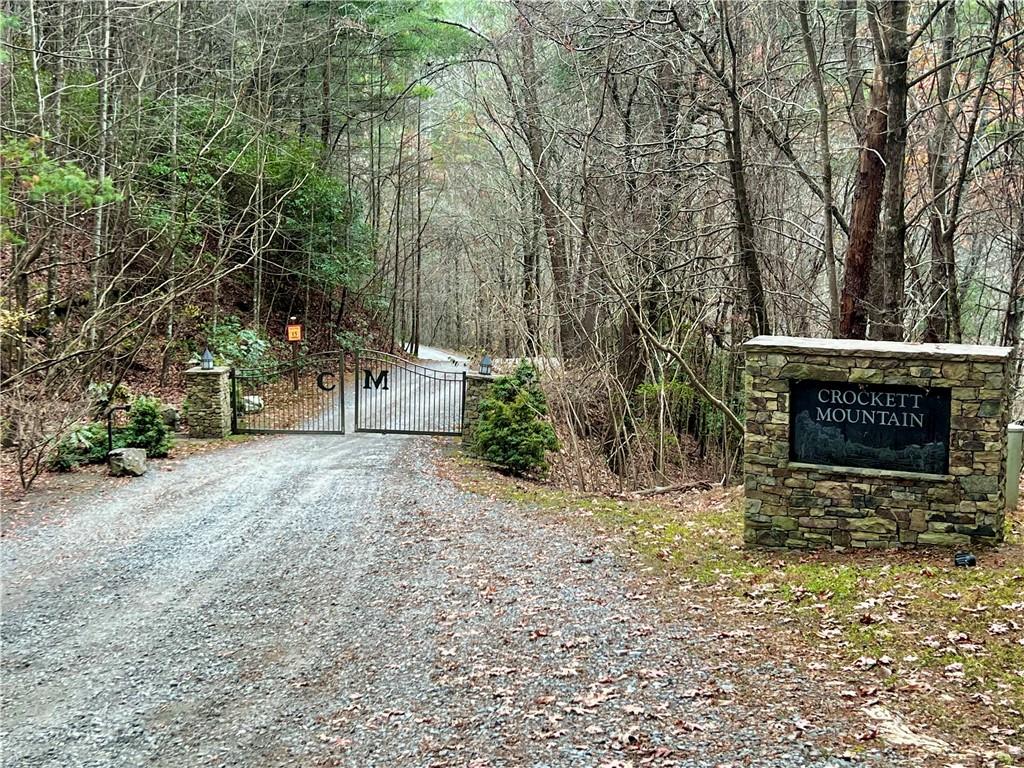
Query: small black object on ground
[964, 560]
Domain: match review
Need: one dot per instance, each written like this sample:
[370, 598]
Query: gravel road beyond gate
[307, 601]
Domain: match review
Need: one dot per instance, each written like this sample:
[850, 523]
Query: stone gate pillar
[478, 386]
[208, 401]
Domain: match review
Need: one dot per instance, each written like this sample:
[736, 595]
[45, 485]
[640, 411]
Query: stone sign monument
[874, 444]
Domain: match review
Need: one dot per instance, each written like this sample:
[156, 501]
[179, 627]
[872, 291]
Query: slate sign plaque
[878, 426]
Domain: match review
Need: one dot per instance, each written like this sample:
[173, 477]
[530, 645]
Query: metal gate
[306, 395]
[393, 395]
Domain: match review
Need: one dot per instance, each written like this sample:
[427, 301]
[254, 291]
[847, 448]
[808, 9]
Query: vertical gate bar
[355, 378]
[341, 390]
[462, 406]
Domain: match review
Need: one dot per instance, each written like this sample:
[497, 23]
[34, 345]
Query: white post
[1014, 444]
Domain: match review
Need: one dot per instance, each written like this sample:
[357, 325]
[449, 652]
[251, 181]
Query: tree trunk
[937, 323]
[567, 335]
[825, 158]
[165, 365]
[945, 214]
[867, 204]
[854, 71]
[746, 235]
[757, 311]
[395, 330]
[417, 287]
[891, 267]
[531, 260]
[325, 89]
[1015, 301]
[101, 173]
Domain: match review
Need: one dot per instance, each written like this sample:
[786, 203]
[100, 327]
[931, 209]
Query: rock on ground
[127, 462]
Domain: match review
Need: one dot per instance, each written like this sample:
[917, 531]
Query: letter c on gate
[321, 380]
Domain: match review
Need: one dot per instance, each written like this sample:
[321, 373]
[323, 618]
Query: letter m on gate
[378, 382]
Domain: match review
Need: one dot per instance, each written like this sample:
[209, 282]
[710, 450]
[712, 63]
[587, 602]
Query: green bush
[85, 444]
[512, 431]
[146, 428]
[238, 346]
[350, 341]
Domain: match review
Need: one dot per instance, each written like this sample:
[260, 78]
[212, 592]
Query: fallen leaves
[904, 631]
[596, 695]
[895, 730]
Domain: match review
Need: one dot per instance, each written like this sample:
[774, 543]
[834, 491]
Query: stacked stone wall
[790, 504]
[208, 402]
[478, 386]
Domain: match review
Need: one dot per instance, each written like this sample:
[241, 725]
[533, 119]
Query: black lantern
[485, 365]
[207, 364]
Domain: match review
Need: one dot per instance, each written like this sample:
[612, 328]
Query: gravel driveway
[310, 601]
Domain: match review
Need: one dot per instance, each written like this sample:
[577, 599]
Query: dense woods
[630, 188]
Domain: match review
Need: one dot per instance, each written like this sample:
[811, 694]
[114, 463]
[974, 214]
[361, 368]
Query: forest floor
[926, 654]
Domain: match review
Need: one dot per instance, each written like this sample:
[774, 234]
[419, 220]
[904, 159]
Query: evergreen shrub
[513, 431]
[146, 428]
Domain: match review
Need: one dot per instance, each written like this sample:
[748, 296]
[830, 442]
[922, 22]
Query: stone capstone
[130, 462]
